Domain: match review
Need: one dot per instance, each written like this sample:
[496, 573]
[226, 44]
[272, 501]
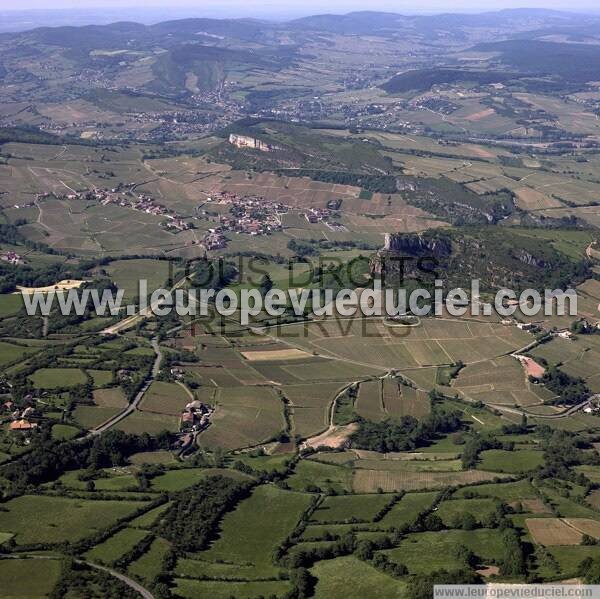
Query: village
[27, 417]
[254, 215]
[250, 215]
[126, 198]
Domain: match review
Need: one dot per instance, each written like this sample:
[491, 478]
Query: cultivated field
[553, 531]
[166, 398]
[436, 342]
[500, 381]
[370, 481]
[244, 417]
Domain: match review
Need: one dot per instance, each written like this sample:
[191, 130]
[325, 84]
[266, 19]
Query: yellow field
[60, 286]
[552, 531]
[585, 525]
[274, 355]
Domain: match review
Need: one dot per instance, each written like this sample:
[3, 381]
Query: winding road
[564, 414]
[136, 586]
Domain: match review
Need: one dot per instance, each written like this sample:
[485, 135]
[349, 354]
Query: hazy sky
[262, 7]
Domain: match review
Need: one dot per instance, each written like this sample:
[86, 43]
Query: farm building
[22, 425]
[187, 417]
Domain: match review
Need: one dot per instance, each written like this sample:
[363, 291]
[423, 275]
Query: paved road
[564, 414]
[145, 593]
[147, 312]
[132, 407]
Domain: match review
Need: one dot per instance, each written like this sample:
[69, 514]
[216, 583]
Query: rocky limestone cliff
[496, 257]
[242, 141]
[417, 244]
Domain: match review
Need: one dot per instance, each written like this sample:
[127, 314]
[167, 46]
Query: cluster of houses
[195, 417]
[317, 215]
[175, 223]
[249, 215]
[21, 420]
[254, 215]
[30, 204]
[11, 257]
[215, 239]
[140, 203]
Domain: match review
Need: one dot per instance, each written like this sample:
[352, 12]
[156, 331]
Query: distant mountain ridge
[353, 22]
[194, 56]
[359, 22]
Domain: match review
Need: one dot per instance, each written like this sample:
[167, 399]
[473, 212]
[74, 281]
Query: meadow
[309, 474]
[430, 551]
[89, 417]
[452, 511]
[407, 509]
[41, 576]
[511, 491]
[147, 422]
[116, 546]
[126, 274]
[352, 578]
[511, 462]
[38, 519]
[149, 565]
[53, 378]
[10, 304]
[249, 534]
[192, 589]
[362, 508]
[10, 353]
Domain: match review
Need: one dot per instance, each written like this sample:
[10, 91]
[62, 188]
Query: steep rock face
[242, 141]
[417, 245]
[497, 257]
[402, 254]
[529, 259]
